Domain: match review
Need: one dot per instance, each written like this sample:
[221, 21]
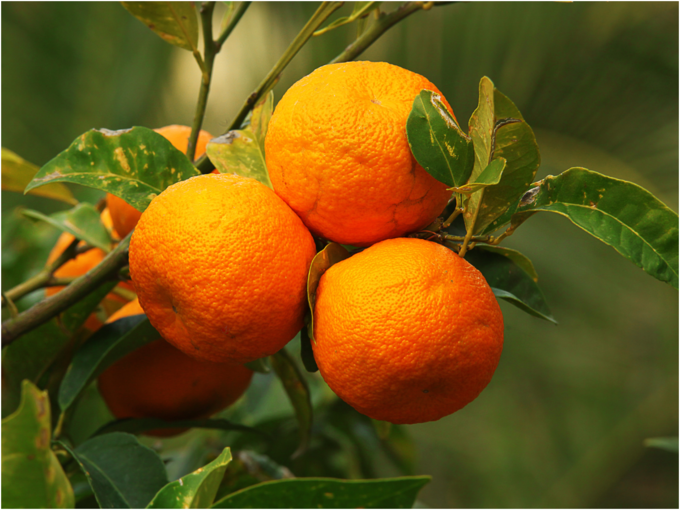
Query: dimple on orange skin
[406, 331]
[220, 266]
[337, 153]
[160, 381]
[124, 216]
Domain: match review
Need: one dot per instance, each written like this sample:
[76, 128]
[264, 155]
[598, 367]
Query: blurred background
[563, 422]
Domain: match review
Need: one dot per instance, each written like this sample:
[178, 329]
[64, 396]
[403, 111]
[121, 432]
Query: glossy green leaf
[504, 271]
[498, 130]
[83, 222]
[135, 164]
[32, 355]
[17, 173]
[196, 490]
[360, 10]
[31, 474]
[174, 22]
[107, 345]
[619, 213]
[298, 392]
[322, 261]
[669, 444]
[489, 177]
[328, 493]
[242, 151]
[438, 143]
[139, 425]
[122, 472]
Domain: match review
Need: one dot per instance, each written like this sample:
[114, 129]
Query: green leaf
[619, 213]
[34, 353]
[135, 164]
[489, 177]
[17, 173]
[322, 261]
[138, 425]
[83, 222]
[328, 493]
[360, 10]
[109, 344]
[298, 393]
[174, 22]
[306, 351]
[498, 130]
[31, 474]
[196, 490]
[122, 472]
[242, 151]
[506, 273]
[663, 443]
[382, 428]
[260, 365]
[438, 143]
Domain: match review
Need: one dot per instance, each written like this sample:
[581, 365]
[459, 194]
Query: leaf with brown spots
[174, 22]
[135, 164]
[31, 474]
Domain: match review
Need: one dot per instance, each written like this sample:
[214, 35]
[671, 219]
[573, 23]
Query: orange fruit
[220, 266]
[124, 216]
[406, 331]
[80, 265]
[337, 153]
[160, 381]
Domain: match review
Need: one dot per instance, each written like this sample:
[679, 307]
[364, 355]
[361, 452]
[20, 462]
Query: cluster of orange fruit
[405, 330]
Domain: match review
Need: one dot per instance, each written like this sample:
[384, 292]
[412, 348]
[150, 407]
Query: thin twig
[240, 11]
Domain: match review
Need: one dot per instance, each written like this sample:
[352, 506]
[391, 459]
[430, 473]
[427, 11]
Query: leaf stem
[468, 235]
[46, 309]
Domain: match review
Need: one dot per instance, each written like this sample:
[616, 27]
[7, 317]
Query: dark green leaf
[242, 151]
[135, 164]
[260, 365]
[138, 425]
[438, 143]
[174, 22]
[83, 222]
[322, 261]
[196, 490]
[360, 10]
[17, 173]
[122, 472]
[109, 344]
[31, 474]
[619, 213]
[328, 493]
[489, 177]
[498, 130]
[505, 271]
[306, 351]
[298, 393]
[663, 443]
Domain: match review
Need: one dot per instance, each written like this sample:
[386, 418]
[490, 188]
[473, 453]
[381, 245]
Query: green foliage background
[562, 423]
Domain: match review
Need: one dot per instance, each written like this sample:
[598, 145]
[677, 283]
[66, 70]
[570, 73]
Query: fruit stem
[454, 215]
[50, 307]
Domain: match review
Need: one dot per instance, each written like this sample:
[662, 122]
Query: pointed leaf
[31, 474]
[298, 393]
[619, 213]
[138, 425]
[438, 143]
[361, 9]
[306, 351]
[260, 365]
[17, 173]
[196, 490]
[328, 493]
[109, 344]
[669, 444]
[509, 279]
[174, 22]
[489, 177]
[83, 222]
[135, 164]
[122, 472]
[498, 130]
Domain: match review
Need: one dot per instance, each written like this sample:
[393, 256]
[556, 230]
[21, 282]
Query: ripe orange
[160, 381]
[220, 266]
[406, 331]
[124, 216]
[80, 265]
[337, 153]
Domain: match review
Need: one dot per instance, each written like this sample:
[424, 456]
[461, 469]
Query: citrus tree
[356, 220]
